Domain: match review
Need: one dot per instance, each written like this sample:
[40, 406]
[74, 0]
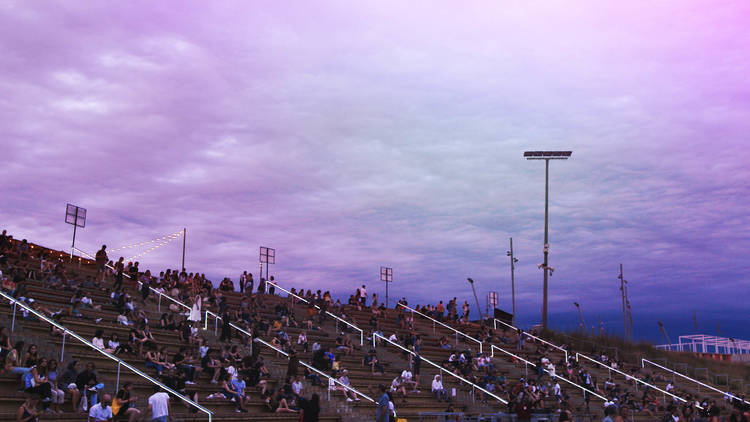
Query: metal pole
[546, 241]
[184, 233]
[622, 292]
[117, 388]
[158, 307]
[75, 226]
[386, 292]
[513, 282]
[62, 350]
[13, 323]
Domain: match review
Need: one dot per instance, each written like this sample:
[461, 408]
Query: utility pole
[583, 321]
[666, 336]
[184, 233]
[513, 261]
[624, 309]
[546, 156]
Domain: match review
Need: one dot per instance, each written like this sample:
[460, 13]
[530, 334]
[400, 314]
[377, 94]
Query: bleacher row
[506, 375]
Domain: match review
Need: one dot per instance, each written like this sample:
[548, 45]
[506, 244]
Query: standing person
[158, 405]
[195, 310]
[382, 412]
[249, 284]
[119, 269]
[363, 295]
[101, 261]
[101, 412]
[243, 277]
[262, 285]
[292, 367]
[272, 288]
[309, 409]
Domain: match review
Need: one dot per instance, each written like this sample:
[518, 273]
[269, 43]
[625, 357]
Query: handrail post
[158, 307]
[216, 326]
[62, 350]
[13, 323]
[117, 388]
[361, 338]
[119, 361]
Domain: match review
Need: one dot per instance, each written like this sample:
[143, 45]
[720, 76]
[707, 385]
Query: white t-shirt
[98, 413]
[406, 375]
[297, 387]
[158, 402]
[98, 342]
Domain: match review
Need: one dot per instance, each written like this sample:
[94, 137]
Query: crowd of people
[234, 366]
[228, 365]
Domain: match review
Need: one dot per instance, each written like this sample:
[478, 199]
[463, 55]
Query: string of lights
[169, 238]
[164, 241]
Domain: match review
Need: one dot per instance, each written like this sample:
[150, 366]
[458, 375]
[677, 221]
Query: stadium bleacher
[487, 369]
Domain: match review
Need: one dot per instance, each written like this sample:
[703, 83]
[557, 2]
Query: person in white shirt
[158, 405]
[101, 411]
[98, 339]
[344, 380]
[408, 378]
[557, 390]
[297, 386]
[437, 388]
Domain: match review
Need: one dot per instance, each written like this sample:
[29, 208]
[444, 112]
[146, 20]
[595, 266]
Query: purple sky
[351, 135]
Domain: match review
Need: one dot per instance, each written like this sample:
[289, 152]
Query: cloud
[355, 136]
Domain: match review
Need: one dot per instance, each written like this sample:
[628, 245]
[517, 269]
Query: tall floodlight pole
[476, 298]
[386, 275]
[513, 261]
[624, 309]
[184, 233]
[76, 216]
[268, 257]
[546, 156]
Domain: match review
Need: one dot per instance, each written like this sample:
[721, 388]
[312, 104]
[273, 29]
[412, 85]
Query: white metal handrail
[533, 337]
[119, 361]
[500, 399]
[445, 325]
[493, 347]
[634, 379]
[643, 365]
[361, 332]
[243, 331]
[141, 284]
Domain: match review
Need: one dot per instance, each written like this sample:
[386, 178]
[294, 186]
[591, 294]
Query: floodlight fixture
[268, 257]
[76, 216]
[546, 156]
[386, 275]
